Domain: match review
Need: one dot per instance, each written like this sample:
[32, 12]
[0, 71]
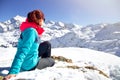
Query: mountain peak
[101, 37]
[19, 18]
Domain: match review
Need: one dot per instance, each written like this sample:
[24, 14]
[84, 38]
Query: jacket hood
[27, 24]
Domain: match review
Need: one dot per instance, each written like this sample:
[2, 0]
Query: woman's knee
[47, 43]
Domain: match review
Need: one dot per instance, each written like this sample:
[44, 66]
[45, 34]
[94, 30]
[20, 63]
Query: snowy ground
[86, 65]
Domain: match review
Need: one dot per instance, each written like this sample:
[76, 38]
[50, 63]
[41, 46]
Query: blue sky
[82, 12]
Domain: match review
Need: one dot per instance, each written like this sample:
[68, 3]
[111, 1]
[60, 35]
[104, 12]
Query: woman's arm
[22, 51]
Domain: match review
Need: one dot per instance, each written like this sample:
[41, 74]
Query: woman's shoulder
[30, 30]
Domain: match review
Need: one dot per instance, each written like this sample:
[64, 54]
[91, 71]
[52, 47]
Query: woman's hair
[35, 15]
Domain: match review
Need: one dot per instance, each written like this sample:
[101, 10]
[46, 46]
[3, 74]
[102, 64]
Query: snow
[89, 65]
[93, 51]
[62, 34]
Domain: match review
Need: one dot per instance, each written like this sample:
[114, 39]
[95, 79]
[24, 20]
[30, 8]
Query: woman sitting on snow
[31, 53]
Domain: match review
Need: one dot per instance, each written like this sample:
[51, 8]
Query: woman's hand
[9, 76]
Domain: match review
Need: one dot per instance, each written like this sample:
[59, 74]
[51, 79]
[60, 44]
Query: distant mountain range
[102, 37]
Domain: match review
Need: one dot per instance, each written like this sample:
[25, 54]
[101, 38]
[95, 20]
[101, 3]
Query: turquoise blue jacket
[26, 56]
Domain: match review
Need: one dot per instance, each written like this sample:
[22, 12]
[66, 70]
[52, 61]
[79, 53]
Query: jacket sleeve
[22, 50]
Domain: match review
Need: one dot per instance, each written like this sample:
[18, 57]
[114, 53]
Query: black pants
[44, 49]
[45, 54]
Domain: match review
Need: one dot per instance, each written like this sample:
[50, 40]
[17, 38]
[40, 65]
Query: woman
[30, 54]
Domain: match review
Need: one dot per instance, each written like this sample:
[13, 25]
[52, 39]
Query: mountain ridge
[102, 37]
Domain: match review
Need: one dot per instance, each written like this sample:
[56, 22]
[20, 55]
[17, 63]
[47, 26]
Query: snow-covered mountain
[102, 37]
[69, 42]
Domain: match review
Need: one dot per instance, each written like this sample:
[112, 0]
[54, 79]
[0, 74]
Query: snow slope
[86, 65]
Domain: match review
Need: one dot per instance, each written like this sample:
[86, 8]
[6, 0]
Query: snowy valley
[94, 51]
